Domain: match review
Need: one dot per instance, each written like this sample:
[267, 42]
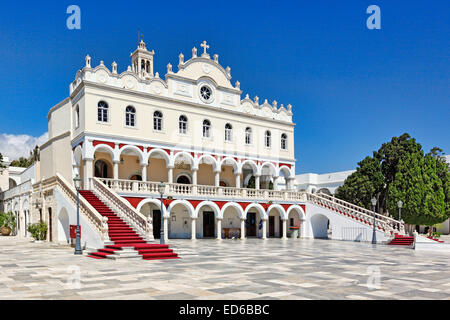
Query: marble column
[116, 170]
[219, 228]
[193, 228]
[257, 178]
[144, 172]
[88, 171]
[237, 180]
[217, 178]
[275, 183]
[242, 229]
[194, 176]
[264, 229]
[284, 229]
[166, 229]
[170, 174]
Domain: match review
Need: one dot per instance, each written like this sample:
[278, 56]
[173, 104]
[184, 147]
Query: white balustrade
[175, 189]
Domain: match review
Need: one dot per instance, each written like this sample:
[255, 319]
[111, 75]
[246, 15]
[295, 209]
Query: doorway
[157, 224]
[208, 224]
[251, 224]
[271, 226]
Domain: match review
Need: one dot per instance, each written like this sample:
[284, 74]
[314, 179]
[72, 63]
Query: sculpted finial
[257, 100]
[181, 58]
[289, 107]
[157, 74]
[246, 96]
[216, 58]
[169, 68]
[274, 104]
[228, 70]
[114, 67]
[194, 52]
[88, 61]
[238, 85]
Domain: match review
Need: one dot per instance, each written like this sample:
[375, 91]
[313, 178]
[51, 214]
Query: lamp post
[400, 205]
[374, 235]
[161, 189]
[77, 183]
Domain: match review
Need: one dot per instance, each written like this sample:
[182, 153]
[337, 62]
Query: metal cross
[205, 46]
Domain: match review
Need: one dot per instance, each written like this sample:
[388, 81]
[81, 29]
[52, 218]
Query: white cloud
[16, 146]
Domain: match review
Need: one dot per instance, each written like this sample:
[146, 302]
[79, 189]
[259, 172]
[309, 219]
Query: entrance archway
[321, 226]
[101, 169]
[183, 179]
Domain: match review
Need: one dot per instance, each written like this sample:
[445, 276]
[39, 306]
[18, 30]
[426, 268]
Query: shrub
[38, 230]
[8, 220]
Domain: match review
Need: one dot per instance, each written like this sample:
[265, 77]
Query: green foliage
[2, 165]
[419, 184]
[362, 185]
[8, 220]
[251, 183]
[27, 162]
[38, 230]
[400, 170]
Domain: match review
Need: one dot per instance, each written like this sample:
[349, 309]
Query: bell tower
[142, 61]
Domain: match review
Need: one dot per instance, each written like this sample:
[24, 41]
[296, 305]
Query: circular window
[206, 93]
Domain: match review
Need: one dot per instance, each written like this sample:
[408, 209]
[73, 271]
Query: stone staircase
[125, 242]
[400, 240]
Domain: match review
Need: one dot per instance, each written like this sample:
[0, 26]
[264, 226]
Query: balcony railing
[341, 207]
[177, 189]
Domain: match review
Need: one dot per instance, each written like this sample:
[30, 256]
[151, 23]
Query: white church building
[227, 161]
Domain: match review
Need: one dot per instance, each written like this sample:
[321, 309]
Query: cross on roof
[205, 46]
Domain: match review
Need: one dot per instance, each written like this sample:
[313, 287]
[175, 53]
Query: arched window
[284, 141]
[228, 132]
[102, 111]
[206, 128]
[157, 121]
[182, 125]
[77, 116]
[130, 116]
[248, 135]
[267, 139]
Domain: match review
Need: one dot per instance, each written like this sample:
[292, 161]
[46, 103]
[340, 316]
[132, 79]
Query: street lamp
[400, 205]
[374, 236]
[161, 189]
[77, 183]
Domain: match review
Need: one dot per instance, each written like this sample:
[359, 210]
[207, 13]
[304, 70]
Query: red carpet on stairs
[124, 236]
[400, 240]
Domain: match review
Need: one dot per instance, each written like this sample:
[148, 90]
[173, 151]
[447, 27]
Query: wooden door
[251, 224]
[157, 224]
[208, 224]
[271, 226]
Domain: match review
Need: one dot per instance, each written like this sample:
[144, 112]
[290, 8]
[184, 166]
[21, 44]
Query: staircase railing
[142, 224]
[95, 219]
[363, 215]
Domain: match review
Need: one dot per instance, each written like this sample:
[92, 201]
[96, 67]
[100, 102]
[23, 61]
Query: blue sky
[351, 88]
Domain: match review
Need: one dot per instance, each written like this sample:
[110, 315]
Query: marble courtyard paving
[227, 269]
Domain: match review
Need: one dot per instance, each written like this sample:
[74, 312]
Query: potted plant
[7, 223]
[38, 231]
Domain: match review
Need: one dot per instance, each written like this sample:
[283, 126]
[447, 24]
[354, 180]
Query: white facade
[327, 182]
[227, 162]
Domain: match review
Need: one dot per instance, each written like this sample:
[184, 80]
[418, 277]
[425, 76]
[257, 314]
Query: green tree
[400, 170]
[2, 165]
[27, 162]
[422, 183]
[21, 162]
[363, 184]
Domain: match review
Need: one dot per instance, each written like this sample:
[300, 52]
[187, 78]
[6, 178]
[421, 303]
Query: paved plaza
[227, 269]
